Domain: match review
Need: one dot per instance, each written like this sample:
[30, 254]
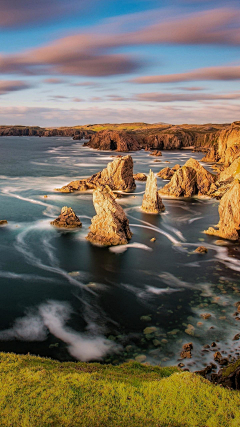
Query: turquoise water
[64, 298]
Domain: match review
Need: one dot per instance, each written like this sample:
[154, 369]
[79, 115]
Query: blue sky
[77, 62]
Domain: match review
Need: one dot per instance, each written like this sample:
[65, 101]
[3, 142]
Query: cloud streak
[7, 86]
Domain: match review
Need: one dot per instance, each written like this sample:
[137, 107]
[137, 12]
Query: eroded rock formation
[114, 140]
[189, 180]
[110, 226]
[140, 177]
[229, 214]
[67, 219]
[152, 202]
[165, 173]
[118, 175]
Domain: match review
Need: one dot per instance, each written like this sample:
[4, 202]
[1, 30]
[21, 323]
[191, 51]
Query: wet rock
[110, 226]
[206, 316]
[207, 370]
[165, 173]
[140, 177]
[118, 175]
[181, 365]
[114, 140]
[213, 344]
[152, 202]
[229, 215]
[201, 250]
[67, 219]
[3, 222]
[186, 352]
[217, 356]
[153, 239]
[156, 153]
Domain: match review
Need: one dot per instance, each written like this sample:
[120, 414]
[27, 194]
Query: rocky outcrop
[118, 175]
[152, 202]
[165, 173]
[229, 376]
[67, 219]
[157, 153]
[114, 140]
[229, 214]
[110, 226]
[140, 177]
[211, 156]
[189, 180]
[229, 144]
[225, 180]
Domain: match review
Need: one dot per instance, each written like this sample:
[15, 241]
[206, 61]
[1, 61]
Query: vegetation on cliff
[43, 392]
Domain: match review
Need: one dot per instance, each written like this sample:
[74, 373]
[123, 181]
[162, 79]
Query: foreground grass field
[38, 392]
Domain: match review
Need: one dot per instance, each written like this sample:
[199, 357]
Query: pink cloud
[185, 97]
[7, 86]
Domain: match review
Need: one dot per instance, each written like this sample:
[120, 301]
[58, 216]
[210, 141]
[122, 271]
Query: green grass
[38, 392]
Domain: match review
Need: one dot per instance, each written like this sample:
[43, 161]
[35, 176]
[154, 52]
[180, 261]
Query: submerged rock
[118, 175]
[229, 214]
[140, 177]
[110, 226]
[152, 202]
[189, 180]
[67, 219]
[201, 250]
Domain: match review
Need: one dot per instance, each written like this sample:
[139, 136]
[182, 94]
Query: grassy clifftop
[38, 392]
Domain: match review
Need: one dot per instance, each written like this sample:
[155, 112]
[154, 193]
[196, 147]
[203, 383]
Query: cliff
[113, 140]
[76, 132]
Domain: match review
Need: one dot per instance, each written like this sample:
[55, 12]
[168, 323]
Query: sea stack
[118, 175]
[110, 227]
[229, 215]
[67, 219]
[152, 202]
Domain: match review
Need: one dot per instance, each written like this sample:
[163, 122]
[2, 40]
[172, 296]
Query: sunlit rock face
[152, 202]
[110, 226]
[114, 140]
[67, 219]
[229, 214]
[118, 175]
[189, 180]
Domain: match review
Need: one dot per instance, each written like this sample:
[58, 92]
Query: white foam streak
[123, 248]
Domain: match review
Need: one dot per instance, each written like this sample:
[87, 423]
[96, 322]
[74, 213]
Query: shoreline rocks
[67, 219]
[110, 227]
[152, 202]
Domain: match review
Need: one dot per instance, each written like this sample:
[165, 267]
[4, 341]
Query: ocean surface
[64, 298]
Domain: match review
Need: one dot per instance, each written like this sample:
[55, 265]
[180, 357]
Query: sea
[63, 298]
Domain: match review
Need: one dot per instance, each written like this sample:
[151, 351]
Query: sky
[76, 62]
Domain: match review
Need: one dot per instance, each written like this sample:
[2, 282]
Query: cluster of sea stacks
[110, 226]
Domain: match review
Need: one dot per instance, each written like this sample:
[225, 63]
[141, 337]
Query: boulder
[67, 219]
[186, 352]
[201, 250]
[110, 226]
[152, 202]
[156, 153]
[229, 214]
[118, 175]
[3, 222]
[140, 177]
[114, 140]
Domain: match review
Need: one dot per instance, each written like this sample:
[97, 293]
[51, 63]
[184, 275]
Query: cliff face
[113, 140]
[229, 144]
[110, 226]
[38, 131]
[229, 214]
[118, 175]
[152, 202]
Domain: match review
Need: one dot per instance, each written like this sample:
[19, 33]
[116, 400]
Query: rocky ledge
[110, 226]
[67, 219]
[189, 180]
[118, 175]
[229, 214]
[152, 202]
[113, 140]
